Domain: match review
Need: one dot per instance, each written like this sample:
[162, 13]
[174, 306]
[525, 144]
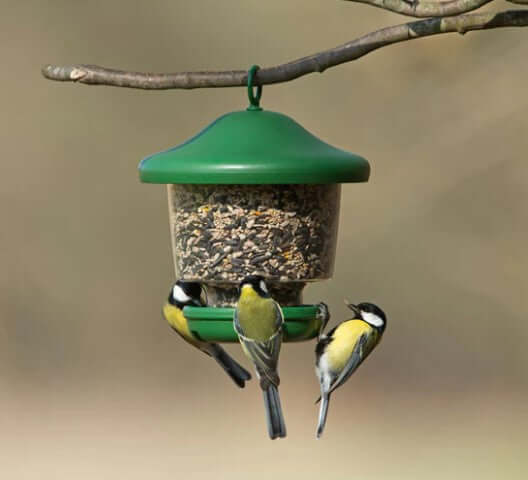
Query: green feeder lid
[216, 324]
[254, 146]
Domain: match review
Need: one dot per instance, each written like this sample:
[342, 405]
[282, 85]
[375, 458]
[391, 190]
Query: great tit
[258, 322]
[339, 353]
[190, 294]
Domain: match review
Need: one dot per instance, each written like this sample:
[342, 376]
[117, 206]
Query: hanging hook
[254, 100]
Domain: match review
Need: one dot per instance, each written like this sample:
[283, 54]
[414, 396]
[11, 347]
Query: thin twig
[426, 9]
[318, 62]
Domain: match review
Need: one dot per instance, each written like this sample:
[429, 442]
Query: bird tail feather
[323, 412]
[274, 417]
[237, 372]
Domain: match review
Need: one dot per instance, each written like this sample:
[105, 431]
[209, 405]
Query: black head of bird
[257, 283]
[185, 293]
[370, 313]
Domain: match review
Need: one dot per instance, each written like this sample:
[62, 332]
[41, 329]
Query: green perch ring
[212, 324]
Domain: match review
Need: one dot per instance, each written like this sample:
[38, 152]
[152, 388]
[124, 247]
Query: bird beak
[352, 307]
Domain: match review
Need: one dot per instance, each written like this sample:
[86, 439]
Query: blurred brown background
[93, 383]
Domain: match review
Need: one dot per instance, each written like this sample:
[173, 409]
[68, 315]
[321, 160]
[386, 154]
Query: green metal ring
[216, 324]
[254, 101]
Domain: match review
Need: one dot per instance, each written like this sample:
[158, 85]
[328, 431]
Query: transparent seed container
[222, 233]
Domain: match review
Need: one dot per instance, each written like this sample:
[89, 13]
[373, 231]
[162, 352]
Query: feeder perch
[253, 193]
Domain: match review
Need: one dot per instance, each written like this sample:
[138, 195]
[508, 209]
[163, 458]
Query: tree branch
[426, 9]
[318, 62]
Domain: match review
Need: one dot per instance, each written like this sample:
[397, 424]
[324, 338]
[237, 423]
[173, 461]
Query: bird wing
[279, 316]
[354, 361]
[265, 355]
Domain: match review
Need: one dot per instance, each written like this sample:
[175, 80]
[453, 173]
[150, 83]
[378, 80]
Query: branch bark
[426, 9]
[94, 75]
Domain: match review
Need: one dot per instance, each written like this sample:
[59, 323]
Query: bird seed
[222, 233]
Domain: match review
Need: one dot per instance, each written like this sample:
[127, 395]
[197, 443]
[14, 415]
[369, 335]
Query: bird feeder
[254, 193]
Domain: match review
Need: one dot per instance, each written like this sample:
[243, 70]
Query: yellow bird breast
[257, 316]
[344, 340]
[177, 320]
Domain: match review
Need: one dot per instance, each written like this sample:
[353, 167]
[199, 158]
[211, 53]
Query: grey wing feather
[280, 316]
[353, 362]
[236, 323]
[265, 355]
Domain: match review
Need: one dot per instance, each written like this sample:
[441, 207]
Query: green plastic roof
[254, 147]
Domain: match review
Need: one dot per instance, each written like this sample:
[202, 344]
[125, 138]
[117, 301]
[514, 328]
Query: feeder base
[216, 324]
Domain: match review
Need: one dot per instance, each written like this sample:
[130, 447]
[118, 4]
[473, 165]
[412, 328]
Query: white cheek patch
[372, 319]
[263, 286]
[179, 295]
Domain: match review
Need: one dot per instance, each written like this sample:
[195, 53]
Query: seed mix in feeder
[222, 233]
